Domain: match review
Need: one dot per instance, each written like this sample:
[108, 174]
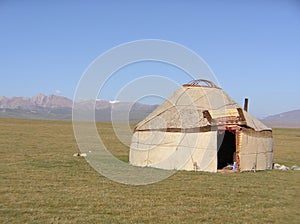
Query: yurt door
[226, 148]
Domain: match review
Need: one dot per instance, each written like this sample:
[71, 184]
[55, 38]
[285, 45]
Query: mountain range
[55, 107]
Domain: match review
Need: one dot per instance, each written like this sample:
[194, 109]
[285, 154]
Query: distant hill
[36, 102]
[290, 119]
[55, 107]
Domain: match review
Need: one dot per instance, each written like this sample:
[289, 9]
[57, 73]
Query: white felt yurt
[201, 128]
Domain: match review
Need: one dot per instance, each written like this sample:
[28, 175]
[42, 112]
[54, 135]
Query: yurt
[201, 128]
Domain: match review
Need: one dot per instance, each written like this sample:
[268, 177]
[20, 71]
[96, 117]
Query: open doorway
[226, 148]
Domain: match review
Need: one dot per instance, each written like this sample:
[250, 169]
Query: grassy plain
[41, 182]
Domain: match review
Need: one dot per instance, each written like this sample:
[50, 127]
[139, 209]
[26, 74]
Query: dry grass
[41, 182]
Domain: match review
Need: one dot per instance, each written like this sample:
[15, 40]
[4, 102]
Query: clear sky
[253, 47]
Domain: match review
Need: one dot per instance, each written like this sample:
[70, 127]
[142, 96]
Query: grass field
[41, 182]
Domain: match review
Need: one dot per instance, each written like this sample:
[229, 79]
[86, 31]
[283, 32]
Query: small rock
[80, 154]
[277, 166]
[283, 167]
[295, 167]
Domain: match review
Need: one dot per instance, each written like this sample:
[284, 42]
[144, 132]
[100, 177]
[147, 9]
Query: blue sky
[251, 46]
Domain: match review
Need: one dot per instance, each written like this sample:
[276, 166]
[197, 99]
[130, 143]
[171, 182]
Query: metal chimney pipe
[246, 104]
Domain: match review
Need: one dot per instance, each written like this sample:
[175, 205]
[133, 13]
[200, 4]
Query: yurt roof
[187, 107]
